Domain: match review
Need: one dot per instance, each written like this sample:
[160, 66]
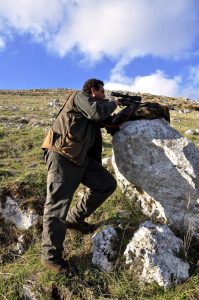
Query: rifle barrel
[126, 96]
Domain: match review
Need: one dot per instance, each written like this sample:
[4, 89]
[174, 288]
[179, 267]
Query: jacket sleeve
[94, 109]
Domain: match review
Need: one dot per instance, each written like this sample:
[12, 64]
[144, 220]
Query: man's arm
[93, 109]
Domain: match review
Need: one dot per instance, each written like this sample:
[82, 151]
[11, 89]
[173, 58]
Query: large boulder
[154, 253]
[159, 168]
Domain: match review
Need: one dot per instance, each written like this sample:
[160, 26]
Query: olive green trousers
[62, 181]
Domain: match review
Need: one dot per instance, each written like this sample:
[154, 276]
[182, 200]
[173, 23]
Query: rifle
[134, 110]
[127, 100]
[129, 104]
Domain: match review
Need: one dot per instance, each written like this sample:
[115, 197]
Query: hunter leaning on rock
[72, 151]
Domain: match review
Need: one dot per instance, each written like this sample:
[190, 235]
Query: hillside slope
[25, 118]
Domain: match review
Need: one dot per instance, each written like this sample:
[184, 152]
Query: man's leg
[101, 185]
[62, 181]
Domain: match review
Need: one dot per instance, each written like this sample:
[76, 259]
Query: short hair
[92, 83]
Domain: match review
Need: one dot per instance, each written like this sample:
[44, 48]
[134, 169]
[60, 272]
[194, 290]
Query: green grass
[23, 176]
[91, 283]
[183, 122]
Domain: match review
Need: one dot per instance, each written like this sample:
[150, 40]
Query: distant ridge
[181, 102]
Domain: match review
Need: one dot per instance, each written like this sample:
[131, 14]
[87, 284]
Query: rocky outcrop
[159, 168]
[155, 253]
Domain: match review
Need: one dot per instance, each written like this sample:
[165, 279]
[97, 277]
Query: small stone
[24, 120]
[124, 213]
[14, 108]
[29, 292]
[189, 131]
[186, 111]
[192, 131]
[17, 160]
[32, 165]
[52, 120]
[54, 103]
[53, 114]
[107, 163]
[105, 248]
[121, 225]
[20, 247]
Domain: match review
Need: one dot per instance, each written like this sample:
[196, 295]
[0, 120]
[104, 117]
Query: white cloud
[39, 18]
[115, 28]
[129, 28]
[157, 83]
[2, 43]
[118, 29]
[191, 86]
[194, 74]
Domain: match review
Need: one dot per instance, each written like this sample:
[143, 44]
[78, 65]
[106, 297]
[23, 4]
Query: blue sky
[135, 45]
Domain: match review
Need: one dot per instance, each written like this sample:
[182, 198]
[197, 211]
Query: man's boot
[61, 267]
[83, 227]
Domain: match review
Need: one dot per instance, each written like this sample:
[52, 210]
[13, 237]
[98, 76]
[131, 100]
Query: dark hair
[92, 83]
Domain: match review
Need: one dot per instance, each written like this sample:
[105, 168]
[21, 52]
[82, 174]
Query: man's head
[94, 87]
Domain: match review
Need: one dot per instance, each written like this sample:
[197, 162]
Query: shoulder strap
[69, 98]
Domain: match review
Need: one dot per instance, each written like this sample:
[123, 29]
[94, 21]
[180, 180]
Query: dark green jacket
[75, 132]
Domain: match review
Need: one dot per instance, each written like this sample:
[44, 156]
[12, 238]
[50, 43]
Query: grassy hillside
[24, 120]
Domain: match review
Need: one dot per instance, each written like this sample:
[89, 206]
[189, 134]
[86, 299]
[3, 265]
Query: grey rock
[14, 108]
[159, 169]
[184, 111]
[124, 213]
[13, 214]
[20, 126]
[24, 120]
[52, 120]
[104, 248]
[54, 103]
[20, 246]
[53, 114]
[155, 254]
[29, 292]
[17, 160]
[192, 131]
[14, 251]
[183, 98]
[36, 123]
[189, 131]
[32, 165]
[107, 163]
[172, 107]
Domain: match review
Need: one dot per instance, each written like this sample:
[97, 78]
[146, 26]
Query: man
[73, 155]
